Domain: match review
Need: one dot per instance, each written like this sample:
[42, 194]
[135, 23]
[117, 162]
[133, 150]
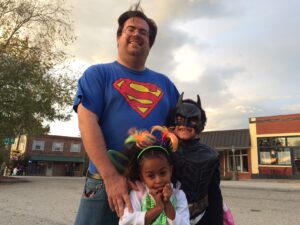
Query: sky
[242, 57]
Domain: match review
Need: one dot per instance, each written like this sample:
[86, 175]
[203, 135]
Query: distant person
[15, 171]
[112, 98]
[197, 165]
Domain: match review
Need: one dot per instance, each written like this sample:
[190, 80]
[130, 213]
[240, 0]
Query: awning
[224, 140]
[56, 158]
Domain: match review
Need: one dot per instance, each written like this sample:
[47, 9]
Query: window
[241, 160]
[75, 148]
[57, 146]
[273, 151]
[38, 145]
[271, 142]
[293, 141]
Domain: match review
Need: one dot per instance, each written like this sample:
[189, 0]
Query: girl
[156, 201]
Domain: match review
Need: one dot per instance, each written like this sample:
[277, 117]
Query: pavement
[12, 179]
[285, 185]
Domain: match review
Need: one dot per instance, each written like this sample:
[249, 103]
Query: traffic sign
[8, 141]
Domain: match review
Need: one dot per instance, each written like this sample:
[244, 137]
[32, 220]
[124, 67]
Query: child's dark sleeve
[215, 200]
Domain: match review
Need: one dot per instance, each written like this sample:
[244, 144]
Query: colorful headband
[158, 134]
[168, 139]
[151, 147]
[142, 138]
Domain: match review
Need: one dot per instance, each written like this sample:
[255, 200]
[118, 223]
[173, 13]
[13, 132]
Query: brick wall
[278, 124]
[49, 140]
[279, 170]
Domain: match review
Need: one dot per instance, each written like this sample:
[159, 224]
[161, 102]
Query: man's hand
[117, 193]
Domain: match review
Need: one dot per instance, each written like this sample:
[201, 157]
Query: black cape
[196, 166]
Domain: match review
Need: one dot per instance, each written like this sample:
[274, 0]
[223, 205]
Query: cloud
[291, 108]
[242, 57]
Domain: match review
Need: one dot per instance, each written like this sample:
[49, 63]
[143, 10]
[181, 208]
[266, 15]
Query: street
[263, 207]
[55, 200]
[42, 201]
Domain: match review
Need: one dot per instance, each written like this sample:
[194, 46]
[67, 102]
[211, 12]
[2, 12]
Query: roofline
[54, 136]
[292, 114]
[244, 129]
[230, 147]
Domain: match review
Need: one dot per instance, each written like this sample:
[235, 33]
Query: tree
[32, 36]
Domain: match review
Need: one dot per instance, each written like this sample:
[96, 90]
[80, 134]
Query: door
[49, 169]
[296, 160]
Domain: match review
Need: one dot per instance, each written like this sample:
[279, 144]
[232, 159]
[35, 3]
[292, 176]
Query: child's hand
[167, 192]
[157, 197]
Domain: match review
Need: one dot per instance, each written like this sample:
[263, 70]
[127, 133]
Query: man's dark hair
[137, 11]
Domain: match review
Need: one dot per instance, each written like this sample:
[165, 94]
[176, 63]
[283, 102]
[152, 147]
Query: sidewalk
[12, 179]
[285, 185]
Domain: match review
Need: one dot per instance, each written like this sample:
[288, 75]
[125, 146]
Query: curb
[274, 186]
[12, 180]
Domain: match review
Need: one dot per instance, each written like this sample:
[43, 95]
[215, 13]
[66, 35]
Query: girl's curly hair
[142, 145]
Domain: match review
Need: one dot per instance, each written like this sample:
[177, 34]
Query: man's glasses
[130, 30]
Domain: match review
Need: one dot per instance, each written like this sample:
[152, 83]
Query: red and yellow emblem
[142, 97]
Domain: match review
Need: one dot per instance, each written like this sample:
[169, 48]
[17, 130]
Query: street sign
[8, 141]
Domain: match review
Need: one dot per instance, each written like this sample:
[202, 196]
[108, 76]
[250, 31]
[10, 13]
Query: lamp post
[234, 175]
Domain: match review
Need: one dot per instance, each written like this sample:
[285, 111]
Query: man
[196, 165]
[112, 98]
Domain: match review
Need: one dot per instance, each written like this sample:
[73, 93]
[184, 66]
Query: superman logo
[142, 97]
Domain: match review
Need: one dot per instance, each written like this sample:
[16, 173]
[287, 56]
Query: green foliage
[4, 155]
[32, 89]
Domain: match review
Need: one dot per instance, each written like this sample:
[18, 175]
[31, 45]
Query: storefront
[275, 146]
[55, 166]
[233, 147]
[49, 155]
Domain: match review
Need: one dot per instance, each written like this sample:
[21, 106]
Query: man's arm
[94, 143]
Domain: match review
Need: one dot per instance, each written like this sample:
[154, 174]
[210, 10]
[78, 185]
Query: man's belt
[198, 207]
[95, 176]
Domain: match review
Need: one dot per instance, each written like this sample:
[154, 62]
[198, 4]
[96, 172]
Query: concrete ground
[55, 200]
[40, 201]
[264, 184]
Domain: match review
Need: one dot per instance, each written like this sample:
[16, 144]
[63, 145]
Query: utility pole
[234, 172]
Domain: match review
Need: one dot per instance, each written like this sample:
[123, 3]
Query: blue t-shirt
[123, 99]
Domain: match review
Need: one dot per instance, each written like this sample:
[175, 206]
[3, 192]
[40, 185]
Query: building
[234, 150]
[270, 148]
[49, 155]
[275, 146]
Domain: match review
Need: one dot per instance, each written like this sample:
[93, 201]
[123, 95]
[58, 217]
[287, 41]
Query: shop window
[279, 141]
[273, 151]
[75, 148]
[275, 156]
[293, 141]
[38, 145]
[241, 160]
[57, 146]
[270, 142]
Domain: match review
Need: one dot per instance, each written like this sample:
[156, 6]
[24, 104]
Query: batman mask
[188, 113]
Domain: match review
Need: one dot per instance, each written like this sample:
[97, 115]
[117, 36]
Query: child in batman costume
[196, 165]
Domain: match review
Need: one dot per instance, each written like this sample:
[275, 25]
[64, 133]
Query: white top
[182, 216]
